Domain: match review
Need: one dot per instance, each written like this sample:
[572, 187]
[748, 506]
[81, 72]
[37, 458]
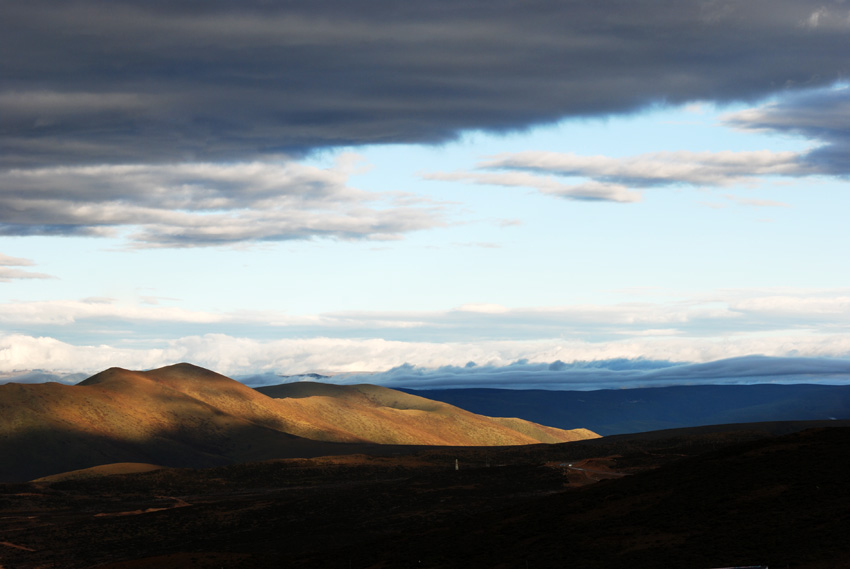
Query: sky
[445, 192]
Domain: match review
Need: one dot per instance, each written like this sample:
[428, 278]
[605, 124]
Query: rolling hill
[384, 415]
[184, 415]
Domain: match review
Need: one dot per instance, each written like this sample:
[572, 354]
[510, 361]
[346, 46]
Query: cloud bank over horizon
[399, 363]
[614, 374]
[578, 375]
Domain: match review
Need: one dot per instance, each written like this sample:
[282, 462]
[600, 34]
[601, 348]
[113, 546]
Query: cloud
[615, 374]
[550, 364]
[820, 115]
[128, 81]
[756, 203]
[7, 261]
[202, 204]
[588, 191]
[618, 179]
[8, 272]
[743, 315]
[659, 168]
[68, 312]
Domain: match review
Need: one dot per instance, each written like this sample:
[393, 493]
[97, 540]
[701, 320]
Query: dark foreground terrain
[683, 499]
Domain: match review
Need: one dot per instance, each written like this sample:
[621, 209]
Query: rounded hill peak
[184, 371]
[106, 375]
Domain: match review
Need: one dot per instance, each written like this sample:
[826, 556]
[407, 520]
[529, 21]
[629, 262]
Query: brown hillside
[184, 415]
[123, 416]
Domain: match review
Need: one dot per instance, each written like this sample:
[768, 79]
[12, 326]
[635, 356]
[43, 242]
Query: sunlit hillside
[184, 415]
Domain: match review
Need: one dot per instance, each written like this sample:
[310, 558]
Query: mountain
[184, 415]
[616, 411]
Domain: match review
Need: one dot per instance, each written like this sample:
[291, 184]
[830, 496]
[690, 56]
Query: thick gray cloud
[822, 115]
[153, 81]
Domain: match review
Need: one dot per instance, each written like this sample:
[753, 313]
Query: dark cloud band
[133, 82]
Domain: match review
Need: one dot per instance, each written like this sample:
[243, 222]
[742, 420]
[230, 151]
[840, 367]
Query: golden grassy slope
[385, 415]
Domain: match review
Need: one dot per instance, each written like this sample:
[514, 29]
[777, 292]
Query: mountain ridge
[185, 415]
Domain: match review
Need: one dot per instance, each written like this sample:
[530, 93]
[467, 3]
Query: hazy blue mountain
[613, 411]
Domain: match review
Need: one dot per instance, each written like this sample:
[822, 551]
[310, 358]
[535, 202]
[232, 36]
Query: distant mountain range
[184, 415]
[616, 411]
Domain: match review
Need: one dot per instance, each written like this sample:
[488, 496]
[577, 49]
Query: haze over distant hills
[184, 415]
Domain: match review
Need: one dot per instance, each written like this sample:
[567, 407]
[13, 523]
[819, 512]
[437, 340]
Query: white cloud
[242, 356]
[588, 191]
[717, 314]
[658, 168]
[483, 308]
[756, 203]
[837, 306]
[620, 179]
[65, 312]
[7, 261]
[9, 273]
[202, 204]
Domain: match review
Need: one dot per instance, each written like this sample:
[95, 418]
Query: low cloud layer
[601, 366]
[553, 363]
[616, 374]
[743, 314]
[202, 204]
[127, 81]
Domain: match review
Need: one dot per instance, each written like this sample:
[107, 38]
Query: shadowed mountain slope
[184, 415]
